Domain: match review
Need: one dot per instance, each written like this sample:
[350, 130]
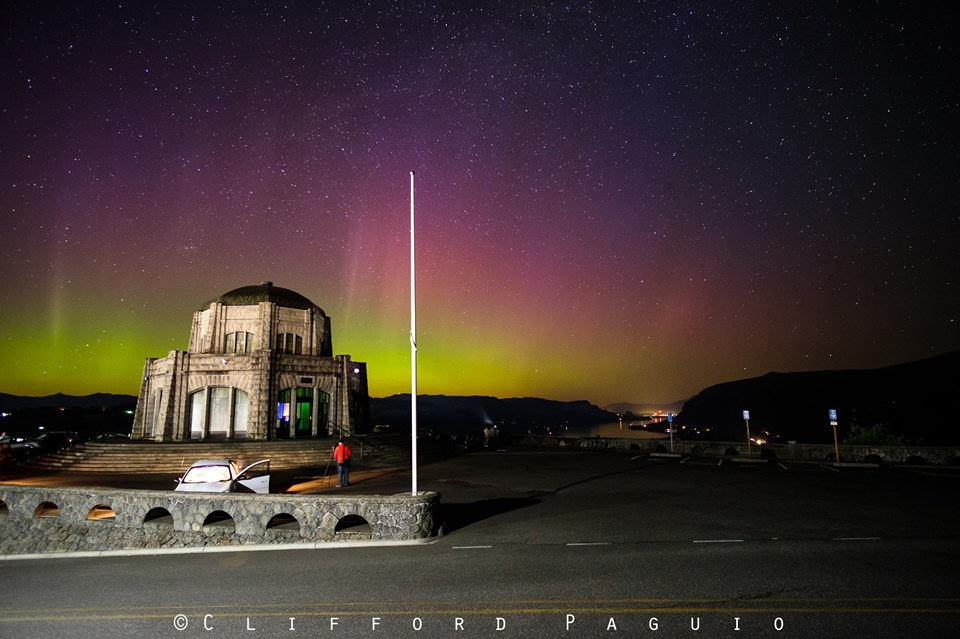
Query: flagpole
[413, 350]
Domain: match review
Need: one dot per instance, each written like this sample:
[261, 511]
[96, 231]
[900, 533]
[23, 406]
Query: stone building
[259, 365]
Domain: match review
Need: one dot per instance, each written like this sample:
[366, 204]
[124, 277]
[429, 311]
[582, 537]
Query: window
[239, 342]
[198, 413]
[219, 412]
[289, 343]
[215, 409]
[241, 413]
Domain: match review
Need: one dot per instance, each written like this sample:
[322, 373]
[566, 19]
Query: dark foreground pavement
[557, 544]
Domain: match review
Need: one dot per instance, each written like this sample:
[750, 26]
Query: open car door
[254, 478]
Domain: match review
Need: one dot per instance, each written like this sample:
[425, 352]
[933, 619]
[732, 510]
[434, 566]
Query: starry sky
[615, 201]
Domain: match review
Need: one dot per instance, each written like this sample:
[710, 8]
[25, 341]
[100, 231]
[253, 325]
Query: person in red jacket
[342, 456]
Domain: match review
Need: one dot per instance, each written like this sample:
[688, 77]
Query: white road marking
[717, 541]
[856, 538]
[589, 543]
[471, 547]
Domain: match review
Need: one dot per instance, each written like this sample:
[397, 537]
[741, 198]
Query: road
[558, 544]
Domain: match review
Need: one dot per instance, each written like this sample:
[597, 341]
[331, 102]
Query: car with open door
[225, 476]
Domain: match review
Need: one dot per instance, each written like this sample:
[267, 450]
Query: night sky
[615, 201]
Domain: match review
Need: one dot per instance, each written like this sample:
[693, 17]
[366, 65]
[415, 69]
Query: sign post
[746, 419]
[670, 428]
[836, 443]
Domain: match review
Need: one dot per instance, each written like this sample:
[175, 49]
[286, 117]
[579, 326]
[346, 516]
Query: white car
[224, 476]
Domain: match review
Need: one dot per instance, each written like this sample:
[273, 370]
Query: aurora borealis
[615, 201]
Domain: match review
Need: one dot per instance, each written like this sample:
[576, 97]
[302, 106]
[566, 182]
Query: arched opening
[4, 509]
[101, 512]
[218, 412]
[283, 521]
[158, 517]
[353, 526]
[219, 521]
[47, 509]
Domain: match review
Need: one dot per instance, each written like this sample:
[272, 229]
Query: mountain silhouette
[913, 400]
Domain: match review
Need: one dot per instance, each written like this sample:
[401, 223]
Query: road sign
[746, 414]
[670, 417]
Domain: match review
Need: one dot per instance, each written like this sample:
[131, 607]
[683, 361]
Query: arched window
[218, 412]
[289, 343]
[239, 342]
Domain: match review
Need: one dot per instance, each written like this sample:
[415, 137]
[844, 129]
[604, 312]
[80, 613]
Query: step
[160, 457]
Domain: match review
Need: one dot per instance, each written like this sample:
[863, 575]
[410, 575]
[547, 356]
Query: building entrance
[302, 412]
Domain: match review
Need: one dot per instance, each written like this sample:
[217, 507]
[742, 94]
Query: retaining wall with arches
[39, 519]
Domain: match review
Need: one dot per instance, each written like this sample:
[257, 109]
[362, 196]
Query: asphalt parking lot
[591, 495]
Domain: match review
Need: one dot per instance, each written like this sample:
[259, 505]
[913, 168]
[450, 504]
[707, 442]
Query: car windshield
[206, 474]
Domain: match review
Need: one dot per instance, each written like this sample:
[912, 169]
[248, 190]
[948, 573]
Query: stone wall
[46, 519]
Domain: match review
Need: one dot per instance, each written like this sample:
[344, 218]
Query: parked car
[56, 439]
[109, 436]
[15, 442]
[224, 476]
[14, 448]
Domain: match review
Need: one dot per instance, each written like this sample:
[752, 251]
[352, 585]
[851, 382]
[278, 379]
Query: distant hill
[915, 400]
[471, 414]
[14, 402]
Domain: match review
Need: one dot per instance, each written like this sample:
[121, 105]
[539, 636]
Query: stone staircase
[175, 457]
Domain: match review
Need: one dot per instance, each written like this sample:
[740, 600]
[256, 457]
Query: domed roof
[265, 292]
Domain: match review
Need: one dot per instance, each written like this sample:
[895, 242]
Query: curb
[190, 550]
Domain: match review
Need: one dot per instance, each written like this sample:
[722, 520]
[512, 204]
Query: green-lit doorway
[305, 416]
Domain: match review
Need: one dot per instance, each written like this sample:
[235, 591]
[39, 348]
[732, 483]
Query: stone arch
[47, 509]
[4, 509]
[101, 512]
[219, 520]
[353, 526]
[158, 516]
[283, 521]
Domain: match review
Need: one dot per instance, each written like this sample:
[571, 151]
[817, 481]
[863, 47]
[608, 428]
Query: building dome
[265, 292]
